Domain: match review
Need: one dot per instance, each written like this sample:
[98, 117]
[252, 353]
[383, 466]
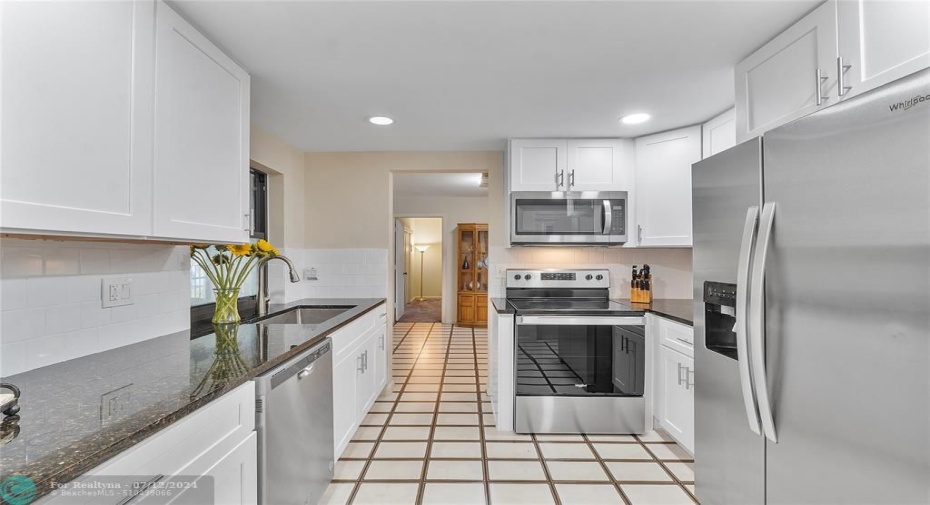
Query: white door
[779, 83]
[77, 116]
[344, 403]
[235, 476]
[678, 396]
[538, 165]
[663, 187]
[881, 41]
[201, 136]
[718, 134]
[595, 165]
[400, 270]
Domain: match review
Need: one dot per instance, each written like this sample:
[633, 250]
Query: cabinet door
[663, 187]
[595, 165]
[718, 134]
[235, 477]
[378, 364]
[365, 390]
[779, 82]
[481, 310]
[537, 165]
[466, 313]
[77, 115]
[677, 410]
[201, 136]
[881, 41]
[345, 418]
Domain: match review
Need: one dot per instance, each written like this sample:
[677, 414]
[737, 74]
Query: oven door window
[558, 217]
[579, 360]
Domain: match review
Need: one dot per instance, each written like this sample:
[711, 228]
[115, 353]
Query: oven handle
[608, 217]
[580, 320]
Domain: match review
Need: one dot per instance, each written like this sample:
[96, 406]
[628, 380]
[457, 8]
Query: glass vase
[227, 306]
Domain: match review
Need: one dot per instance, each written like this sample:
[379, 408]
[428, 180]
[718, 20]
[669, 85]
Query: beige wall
[426, 231]
[453, 211]
[284, 164]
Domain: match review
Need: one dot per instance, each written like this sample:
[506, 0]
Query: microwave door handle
[608, 217]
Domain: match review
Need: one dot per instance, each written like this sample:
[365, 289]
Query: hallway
[422, 311]
[417, 447]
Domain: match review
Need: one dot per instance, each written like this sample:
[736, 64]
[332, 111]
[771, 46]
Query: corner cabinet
[568, 165]
[201, 187]
[718, 134]
[663, 188]
[473, 275]
[137, 128]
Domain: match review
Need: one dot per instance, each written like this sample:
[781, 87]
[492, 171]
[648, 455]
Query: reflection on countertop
[680, 310]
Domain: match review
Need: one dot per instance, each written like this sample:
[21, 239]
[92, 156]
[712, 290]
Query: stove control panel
[581, 278]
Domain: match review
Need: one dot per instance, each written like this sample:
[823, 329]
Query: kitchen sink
[306, 314]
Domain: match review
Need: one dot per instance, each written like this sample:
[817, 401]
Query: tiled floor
[432, 441]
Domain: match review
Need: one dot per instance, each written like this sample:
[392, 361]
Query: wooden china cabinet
[473, 275]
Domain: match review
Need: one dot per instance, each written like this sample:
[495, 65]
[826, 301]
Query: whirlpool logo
[17, 490]
[907, 104]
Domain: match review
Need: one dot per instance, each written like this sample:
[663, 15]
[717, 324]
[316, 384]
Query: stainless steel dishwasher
[294, 418]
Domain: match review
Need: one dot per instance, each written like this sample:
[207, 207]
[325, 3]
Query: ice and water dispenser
[720, 318]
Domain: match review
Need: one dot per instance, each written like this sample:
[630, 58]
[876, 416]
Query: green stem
[245, 271]
[207, 270]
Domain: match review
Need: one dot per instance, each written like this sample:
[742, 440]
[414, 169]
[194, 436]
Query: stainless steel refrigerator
[812, 308]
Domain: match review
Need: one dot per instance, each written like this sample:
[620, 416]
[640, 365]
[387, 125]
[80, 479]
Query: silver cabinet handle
[305, 372]
[608, 217]
[365, 362]
[382, 341]
[639, 233]
[248, 223]
[571, 179]
[561, 179]
[819, 90]
[680, 379]
[689, 373]
[136, 491]
[361, 364]
[757, 321]
[750, 228]
[841, 87]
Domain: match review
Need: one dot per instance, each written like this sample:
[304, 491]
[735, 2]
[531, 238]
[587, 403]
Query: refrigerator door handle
[757, 321]
[742, 298]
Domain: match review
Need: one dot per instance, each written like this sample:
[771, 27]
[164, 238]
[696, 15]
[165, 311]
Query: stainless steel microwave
[567, 217]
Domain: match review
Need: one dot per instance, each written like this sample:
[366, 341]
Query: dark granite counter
[681, 311]
[501, 306]
[78, 414]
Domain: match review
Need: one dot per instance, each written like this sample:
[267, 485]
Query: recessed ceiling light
[380, 120]
[635, 118]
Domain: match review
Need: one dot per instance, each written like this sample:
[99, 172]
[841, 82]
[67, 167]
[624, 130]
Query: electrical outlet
[310, 274]
[116, 291]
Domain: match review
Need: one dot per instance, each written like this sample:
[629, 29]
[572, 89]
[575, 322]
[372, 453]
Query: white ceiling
[438, 184]
[465, 75]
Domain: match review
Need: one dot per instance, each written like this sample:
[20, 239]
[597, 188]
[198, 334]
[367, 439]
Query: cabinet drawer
[676, 336]
[346, 337]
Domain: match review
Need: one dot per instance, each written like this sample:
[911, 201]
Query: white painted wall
[426, 231]
[50, 298]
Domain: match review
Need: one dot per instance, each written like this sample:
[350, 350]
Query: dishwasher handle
[301, 366]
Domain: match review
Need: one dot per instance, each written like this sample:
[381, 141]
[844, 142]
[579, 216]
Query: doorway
[422, 240]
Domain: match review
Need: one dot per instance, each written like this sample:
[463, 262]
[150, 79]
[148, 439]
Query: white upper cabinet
[790, 77]
[880, 41]
[719, 134]
[663, 187]
[76, 123]
[568, 165]
[201, 136]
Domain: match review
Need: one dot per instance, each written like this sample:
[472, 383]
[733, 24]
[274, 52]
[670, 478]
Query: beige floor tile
[387, 397]
[374, 419]
[459, 397]
[621, 451]
[465, 433]
[401, 450]
[455, 470]
[357, 450]
[520, 494]
[348, 469]
[515, 470]
[337, 493]
[367, 433]
[463, 419]
[495, 434]
[456, 450]
[684, 471]
[669, 452]
[424, 380]
[411, 419]
[560, 438]
[511, 450]
[421, 407]
[421, 388]
[442, 493]
[639, 471]
[552, 450]
[380, 493]
[656, 494]
[576, 471]
[418, 397]
[380, 407]
[488, 419]
[459, 380]
[612, 438]
[394, 470]
[656, 436]
[588, 494]
[690, 487]
[460, 407]
[459, 388]
[406, 433]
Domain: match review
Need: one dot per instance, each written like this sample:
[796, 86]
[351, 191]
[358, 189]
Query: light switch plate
[116, 291]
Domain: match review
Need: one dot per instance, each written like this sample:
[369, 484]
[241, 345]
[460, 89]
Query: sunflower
[240, 249]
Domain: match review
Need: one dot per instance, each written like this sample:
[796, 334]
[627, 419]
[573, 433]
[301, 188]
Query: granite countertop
[78, 414]
[681, 311]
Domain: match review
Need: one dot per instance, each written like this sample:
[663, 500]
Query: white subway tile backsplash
[23, 324]
[124, 261]
[45, 351]
[84, 289]
[95, 261]
[12, 357]
[46, 291]
[20, 261]
[62, 318]
[12, 294]
[64, 261]
[93, 315]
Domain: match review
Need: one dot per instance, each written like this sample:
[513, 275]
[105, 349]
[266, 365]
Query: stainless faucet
[263, 298]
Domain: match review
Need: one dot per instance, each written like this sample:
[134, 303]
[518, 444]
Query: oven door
[579, 374]
[596, 218]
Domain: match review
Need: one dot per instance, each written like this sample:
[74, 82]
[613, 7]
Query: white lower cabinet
[359, 373]
[673, 403]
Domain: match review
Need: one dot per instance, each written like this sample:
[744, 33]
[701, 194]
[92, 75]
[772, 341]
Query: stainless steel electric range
[580, 357]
